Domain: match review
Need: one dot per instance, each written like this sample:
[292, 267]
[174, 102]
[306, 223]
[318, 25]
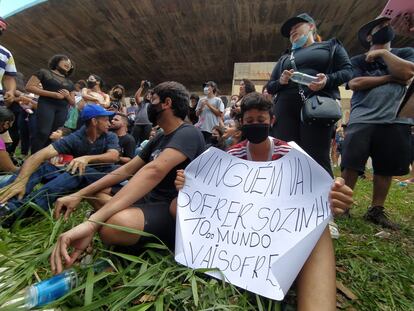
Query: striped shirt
[7, 67]
[278, 149]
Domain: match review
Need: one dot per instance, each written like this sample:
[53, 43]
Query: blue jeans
[58, 182]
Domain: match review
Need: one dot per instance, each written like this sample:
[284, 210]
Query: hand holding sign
[257, 222]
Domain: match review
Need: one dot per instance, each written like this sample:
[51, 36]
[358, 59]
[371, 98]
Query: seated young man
[119, 125]
[316, 287]
[143, 203]
[94, 152]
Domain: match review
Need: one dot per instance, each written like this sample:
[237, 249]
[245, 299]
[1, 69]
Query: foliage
[378, 271]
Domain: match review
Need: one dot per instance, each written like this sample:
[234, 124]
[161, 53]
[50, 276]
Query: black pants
[141, 132]
[27, 129]
[49, 117]
[314, 139]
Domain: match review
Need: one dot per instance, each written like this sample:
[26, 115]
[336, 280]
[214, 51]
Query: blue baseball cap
[92, 111]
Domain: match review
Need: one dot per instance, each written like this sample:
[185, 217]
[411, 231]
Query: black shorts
[157, 220]
[388, 145]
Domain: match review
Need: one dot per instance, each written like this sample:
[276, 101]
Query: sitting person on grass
[316, 289]
[143, 203]
[6, 163]
[90, 145]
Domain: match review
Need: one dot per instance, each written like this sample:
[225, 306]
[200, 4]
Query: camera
[147, 84]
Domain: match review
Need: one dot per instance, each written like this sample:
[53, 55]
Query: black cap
[366, 29]
[301, 18]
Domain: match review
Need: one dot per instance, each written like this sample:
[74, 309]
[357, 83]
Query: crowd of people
[80, 142]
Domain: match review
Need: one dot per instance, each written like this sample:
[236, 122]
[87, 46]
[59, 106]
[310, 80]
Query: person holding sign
[143, 203]
[316, 281]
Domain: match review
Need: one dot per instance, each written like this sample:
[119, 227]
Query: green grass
[378, 271]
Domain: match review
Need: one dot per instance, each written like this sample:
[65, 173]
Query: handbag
[317, 109]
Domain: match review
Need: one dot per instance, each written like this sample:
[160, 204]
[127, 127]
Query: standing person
[7, 71]
[192, 116]
[73, 113]
[119, 125]
[374, 130]
[55, 96]
[117, 95]
[209, 110]
[142, 125]
[7, 77]
[93, 93]
[143, 203]
[312, 58]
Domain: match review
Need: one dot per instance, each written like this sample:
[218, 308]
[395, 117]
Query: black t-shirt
[127, 144]
[53, 83]
[188, 140]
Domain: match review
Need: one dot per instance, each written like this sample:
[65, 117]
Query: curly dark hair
[257, 101]
[55, 59]
[179, 96]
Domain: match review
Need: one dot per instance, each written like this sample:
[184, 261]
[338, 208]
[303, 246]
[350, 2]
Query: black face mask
[256, 132]
[384, 35]
[90, 84]
[117, 94]
[154, 113]
[62, 71]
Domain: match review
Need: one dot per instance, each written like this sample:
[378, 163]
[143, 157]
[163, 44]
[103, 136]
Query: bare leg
[381, 186]
[316, 283]
[173, 208]
[132, 218]
[100, 199]
[350, 177]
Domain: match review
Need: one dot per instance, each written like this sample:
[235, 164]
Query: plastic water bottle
[51, 289]
[43, 292]
[302, 78]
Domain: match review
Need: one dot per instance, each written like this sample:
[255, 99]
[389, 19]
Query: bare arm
[32, 86]
[124, 160]
[86, 96]
[142, 183]
[6, 164]
[138, 93]
[80, 163]
[398, 67]
[18, 187]
[214, 110]
[107, 101]
[363, 83]
[120, 174]
[10, 87]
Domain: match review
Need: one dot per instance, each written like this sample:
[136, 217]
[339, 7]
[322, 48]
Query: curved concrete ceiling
[190, 41]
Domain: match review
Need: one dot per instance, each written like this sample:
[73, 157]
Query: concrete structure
[190, 41]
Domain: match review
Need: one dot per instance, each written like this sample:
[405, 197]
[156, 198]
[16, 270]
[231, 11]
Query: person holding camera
[116, 96]
[329, 63]
[142, 125]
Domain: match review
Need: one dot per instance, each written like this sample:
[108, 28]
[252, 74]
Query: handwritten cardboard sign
[257, 222]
